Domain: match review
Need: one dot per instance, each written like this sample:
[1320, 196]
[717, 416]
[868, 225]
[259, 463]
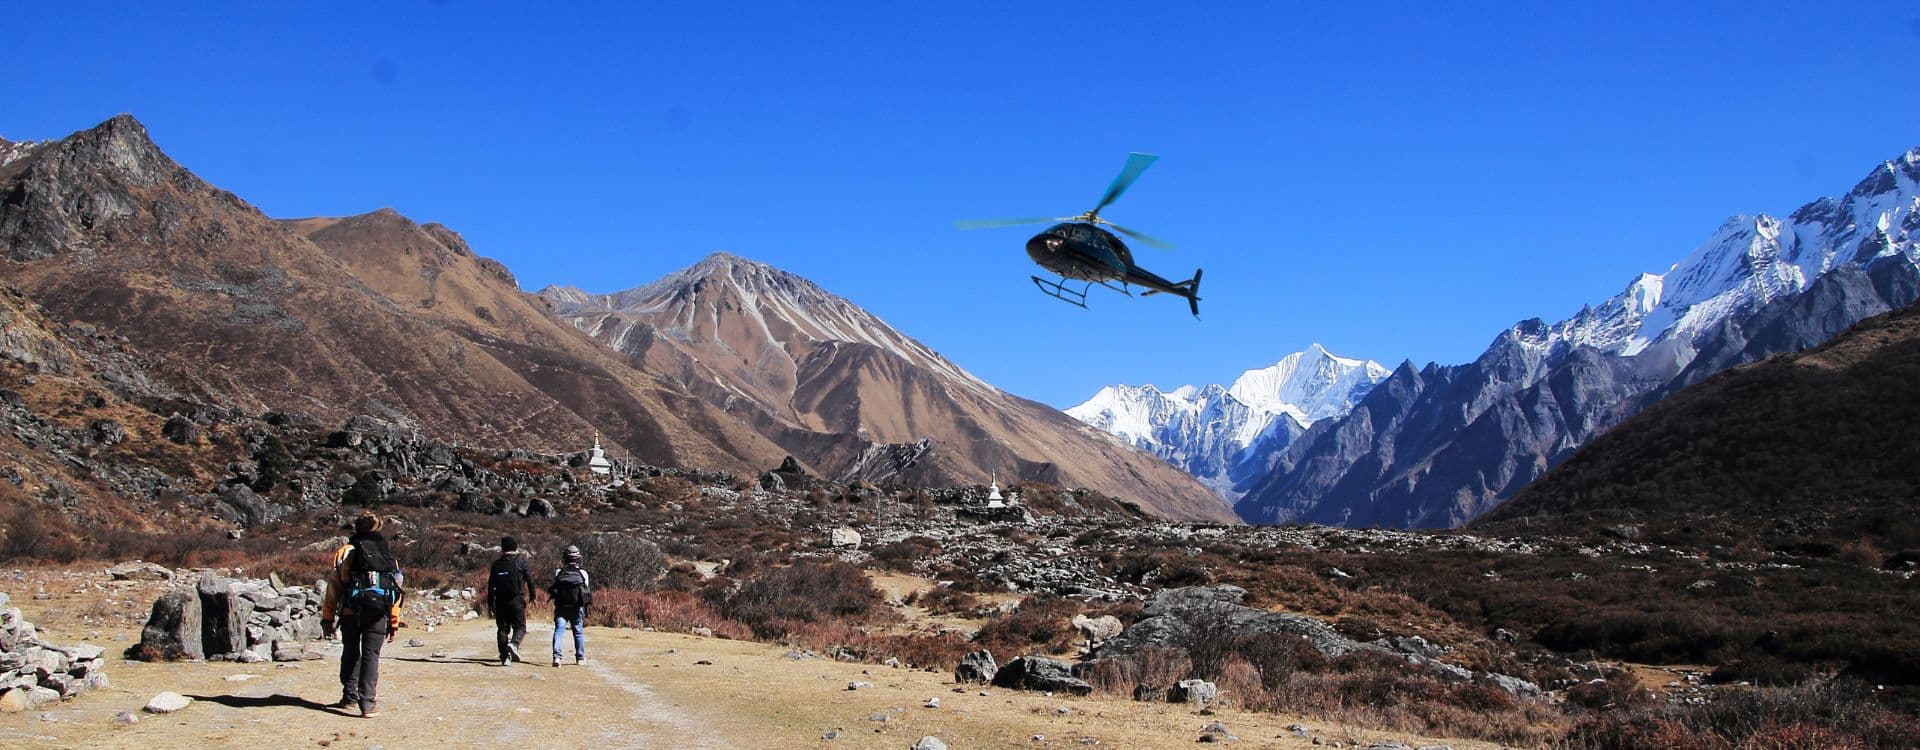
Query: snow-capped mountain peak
[1752, 260]
[1208, 429]
[1309, 385]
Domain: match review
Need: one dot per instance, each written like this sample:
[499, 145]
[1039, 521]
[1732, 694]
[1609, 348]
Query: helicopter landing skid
[1078, 297]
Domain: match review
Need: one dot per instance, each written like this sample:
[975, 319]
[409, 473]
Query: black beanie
[507, 544]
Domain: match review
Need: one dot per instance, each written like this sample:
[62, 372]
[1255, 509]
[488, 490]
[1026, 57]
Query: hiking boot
[556, 661]
[578, 659]
[513, 652]
[504, 661]
[344, 702]
[369, 710]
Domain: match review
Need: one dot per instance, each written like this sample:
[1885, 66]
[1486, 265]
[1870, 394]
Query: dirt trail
[639, 689]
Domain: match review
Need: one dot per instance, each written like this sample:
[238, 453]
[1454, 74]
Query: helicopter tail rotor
[1191, 287]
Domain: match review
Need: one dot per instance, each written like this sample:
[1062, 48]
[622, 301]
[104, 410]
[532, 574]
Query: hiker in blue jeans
[571, 594]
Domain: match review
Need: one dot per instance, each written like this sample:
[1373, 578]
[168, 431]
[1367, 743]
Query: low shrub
[1041, 624]
[622, 561]
[943, 600]
[1814, 714]
[782, 600]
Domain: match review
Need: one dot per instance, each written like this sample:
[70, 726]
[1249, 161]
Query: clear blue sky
[1395, 181]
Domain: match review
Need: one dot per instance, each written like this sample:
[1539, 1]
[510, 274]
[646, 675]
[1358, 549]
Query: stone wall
[230, 619]
[34, 673]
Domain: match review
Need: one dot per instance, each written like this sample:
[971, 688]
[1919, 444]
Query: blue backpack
[373, 579]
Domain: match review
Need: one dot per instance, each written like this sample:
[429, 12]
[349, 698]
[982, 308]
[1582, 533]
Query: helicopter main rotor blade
[1136, 163]
[996, 223]
[1148, 240]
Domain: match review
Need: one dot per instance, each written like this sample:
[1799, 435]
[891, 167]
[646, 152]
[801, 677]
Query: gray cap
[572, 551]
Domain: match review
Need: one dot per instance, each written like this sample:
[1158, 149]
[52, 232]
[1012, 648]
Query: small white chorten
[597, 458]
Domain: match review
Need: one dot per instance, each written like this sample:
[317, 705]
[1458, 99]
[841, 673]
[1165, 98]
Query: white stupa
[597, 458]
[994, 500]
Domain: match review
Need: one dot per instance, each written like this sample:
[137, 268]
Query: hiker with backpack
[571, 594]
[363, 604]
[509, 590]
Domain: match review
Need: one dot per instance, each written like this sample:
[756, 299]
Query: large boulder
[976, 666]
[225, 613]
[1097, 630]
[1033, 672]
[173, 629]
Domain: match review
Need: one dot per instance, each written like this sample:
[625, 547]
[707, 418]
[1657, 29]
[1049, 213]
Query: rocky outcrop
[34, 673]
[1184, 619]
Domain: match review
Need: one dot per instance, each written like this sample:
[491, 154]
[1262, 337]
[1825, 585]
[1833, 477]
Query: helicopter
[1080, 248]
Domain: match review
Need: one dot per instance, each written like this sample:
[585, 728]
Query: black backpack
[373, 580]
[570, 588]
[503, 581]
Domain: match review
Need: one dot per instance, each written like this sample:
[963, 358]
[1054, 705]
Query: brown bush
[1156, 668]
[670, 611]
[779, 601]
[1042, 623]
[943, 600]
[1813, 714]
[621, 561]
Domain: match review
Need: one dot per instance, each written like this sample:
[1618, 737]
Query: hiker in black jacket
[571, 594]
[509, 590]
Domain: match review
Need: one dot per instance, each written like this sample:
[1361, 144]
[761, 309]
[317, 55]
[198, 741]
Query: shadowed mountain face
[375, 314]
[800, 363]
[1439, 446]
[1813, 447]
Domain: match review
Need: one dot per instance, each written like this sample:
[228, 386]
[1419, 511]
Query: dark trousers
[360, 660]
[511, 620]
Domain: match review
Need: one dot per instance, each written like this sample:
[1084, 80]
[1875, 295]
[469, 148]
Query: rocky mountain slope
[199, 304]
[1211, 431]
[102, 229]
[850, 396]
[1438, 446]
[1827, 433]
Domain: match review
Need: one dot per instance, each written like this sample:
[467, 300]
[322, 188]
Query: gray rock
[166, 703]
[173, 629]
[138, 571]
[65, 685]
[40, 696]
[126, 718]
[181, 430]
[1034, 672]
[976, 666]
[1216, 732]
[224, 613]
[1513, 685]
[1197, 692]
[80, 651]
[929, 742]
